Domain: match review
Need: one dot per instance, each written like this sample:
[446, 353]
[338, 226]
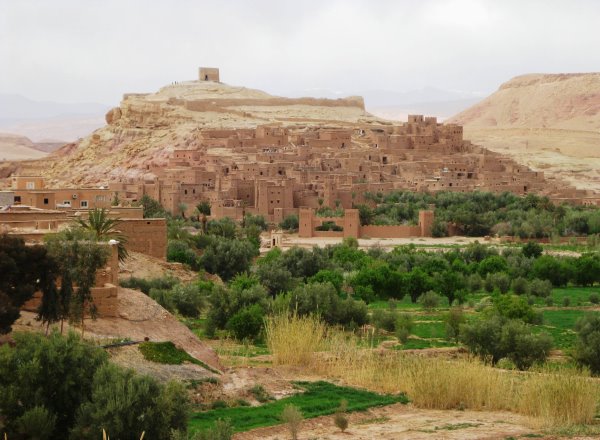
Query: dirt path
[405, 422]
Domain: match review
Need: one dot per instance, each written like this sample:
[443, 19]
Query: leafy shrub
[290, 223]
[323, 299]
[225, 303]
[54, 372]
[260, 394]
[540, 288]
[36, 423]
[328, 276]
[384, 320]
[145, 285]
[587, 349]
[520, 285]
[495, 338]
[164, 298]
[404, 326]
[454, 319]
[500, 281]
[474, 283]
[181, 252]
[256, 220]
[227, 257]
[275, 277]
[126, 405]
[514, 307]
[292, 416]
[188, 300]
[340, 420]
[222, 430]
[532, 249]
[549, 301]
[429, 300]
[329, 225]
[247, 323]
[594, 298]
[566, 301]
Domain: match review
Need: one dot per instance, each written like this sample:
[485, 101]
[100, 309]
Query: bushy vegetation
[60, 387]
[481, 213]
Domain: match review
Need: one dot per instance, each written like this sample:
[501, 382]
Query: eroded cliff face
[545, 121]
[145, 129]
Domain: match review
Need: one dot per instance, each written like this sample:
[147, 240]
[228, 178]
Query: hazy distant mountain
[16, 108]
[46, 120]
[14, 147]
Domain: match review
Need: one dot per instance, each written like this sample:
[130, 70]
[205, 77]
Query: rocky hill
[146, 128]
[548, 122]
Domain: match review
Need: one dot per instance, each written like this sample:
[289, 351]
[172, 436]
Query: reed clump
[566, 397]
[293, 339]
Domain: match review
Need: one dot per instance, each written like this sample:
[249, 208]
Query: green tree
[53, 372]
[587, 349]
[126, 404]
[532, 249]
[225, 303]
[454, 320]
[290, 223]
[78, 258]
[23, 271]
[105, 228]
[275, 277]
[247, 323]
[226, 257]
[152, 208]
[587, 270]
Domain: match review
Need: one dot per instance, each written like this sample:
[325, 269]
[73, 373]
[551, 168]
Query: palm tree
[104, 229]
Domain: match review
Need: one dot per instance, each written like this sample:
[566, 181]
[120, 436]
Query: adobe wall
[352, 228]
[390, 231]
[147, 236]
[206, 104]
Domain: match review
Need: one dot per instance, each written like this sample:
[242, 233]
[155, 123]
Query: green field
[418, 344]
[318, 399]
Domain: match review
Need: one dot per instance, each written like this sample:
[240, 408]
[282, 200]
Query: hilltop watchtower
[208, 74]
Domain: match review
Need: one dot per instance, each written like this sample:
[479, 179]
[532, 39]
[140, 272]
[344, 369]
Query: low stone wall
[395, 231]
[106, 300]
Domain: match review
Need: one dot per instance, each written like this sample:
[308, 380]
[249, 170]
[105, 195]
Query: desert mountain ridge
[549, 122]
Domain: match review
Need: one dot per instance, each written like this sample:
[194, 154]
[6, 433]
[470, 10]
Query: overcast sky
[88, 50]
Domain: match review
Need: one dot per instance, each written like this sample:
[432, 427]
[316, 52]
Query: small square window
[46, 201]
[84, 204]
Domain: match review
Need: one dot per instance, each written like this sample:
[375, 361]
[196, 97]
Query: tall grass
[293, 340]
[565, 398]
[559, 398]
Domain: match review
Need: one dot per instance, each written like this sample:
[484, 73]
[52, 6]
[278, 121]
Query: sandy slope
[16, 147]
[548, 122]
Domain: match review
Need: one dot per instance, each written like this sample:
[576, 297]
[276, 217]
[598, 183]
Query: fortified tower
[208, 74]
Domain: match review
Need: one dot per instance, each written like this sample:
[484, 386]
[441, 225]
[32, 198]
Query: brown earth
[550, 123]
[139, 317]
[144, 266]
[405, 422]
